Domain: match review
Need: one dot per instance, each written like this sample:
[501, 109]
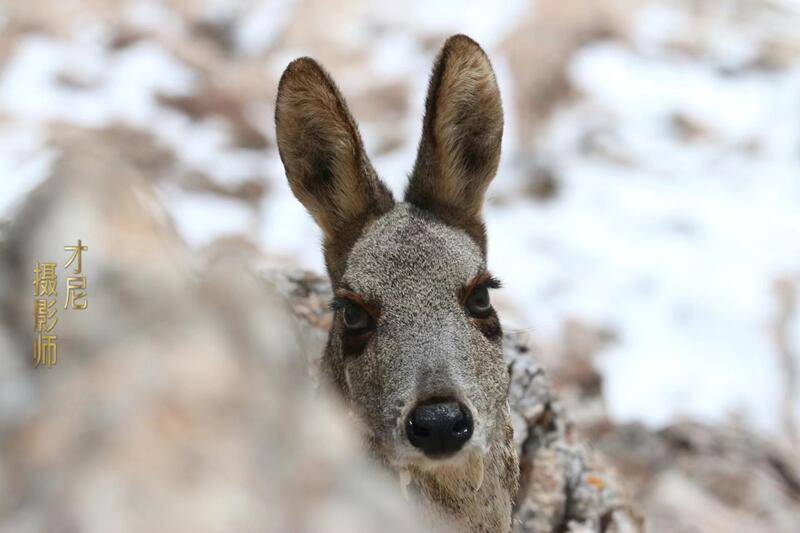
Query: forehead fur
[409, 248]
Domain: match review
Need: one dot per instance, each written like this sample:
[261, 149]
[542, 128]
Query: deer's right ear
[323, 154]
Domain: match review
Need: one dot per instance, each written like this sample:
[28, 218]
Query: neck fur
[475, 496]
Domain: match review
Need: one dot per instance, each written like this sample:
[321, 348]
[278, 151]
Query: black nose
[439, 429]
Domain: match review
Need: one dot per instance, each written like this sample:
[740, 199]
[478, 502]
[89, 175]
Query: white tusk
[479, 483]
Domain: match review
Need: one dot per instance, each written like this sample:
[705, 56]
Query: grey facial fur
[425, 346]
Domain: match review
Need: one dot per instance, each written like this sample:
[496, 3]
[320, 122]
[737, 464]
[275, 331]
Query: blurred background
[647, 206]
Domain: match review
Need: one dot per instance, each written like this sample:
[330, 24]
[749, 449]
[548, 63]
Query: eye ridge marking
[354, 339]
[483, 280]
[481, 314]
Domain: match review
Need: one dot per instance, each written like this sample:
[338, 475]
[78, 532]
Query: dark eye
[478, 304]
[355, 318]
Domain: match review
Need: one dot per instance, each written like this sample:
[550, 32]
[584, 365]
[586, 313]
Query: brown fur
[467, 289]
[461, 136]
[373, 309]
[490, 325]
[323, 154]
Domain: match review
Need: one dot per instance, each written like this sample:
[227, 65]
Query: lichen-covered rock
[695, 477]
[564, 485]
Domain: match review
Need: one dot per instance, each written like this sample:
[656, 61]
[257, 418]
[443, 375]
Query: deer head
[415, 345]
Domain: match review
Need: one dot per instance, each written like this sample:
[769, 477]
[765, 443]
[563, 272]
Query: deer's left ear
[461, 135]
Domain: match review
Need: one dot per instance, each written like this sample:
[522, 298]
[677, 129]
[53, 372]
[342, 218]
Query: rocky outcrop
[180, 400]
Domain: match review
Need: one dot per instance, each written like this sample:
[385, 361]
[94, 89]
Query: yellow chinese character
[44, 279]
[42, 315]
[76, 254]
[76, 291]
[45, 350]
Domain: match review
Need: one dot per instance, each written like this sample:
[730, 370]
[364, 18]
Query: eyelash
[338, 303]
[490, 283]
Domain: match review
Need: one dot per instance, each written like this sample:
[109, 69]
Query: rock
[694, 477]
[180, 400]
[212, 102]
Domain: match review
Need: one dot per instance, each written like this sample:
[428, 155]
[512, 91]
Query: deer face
[416, 339]
[415, 345]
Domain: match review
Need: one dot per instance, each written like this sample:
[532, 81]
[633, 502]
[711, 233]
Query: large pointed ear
[461, 134]
[324, 157]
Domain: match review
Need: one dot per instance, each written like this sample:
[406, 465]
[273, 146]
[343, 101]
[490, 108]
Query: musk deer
[416, 346]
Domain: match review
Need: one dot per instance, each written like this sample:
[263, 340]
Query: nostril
[462, 429]
[439, 428]
[460, 426]
[417, 429]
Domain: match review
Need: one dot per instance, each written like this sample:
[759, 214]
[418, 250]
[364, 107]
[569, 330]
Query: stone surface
[180, 400]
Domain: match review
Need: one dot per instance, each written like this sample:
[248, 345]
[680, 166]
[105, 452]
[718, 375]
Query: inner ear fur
[323, 155]
[461, 135]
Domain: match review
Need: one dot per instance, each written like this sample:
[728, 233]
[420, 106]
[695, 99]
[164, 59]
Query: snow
[677, 251]
[487, 26]
[261, 27]
[201, 218]
[126, 82]
[25, 162]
